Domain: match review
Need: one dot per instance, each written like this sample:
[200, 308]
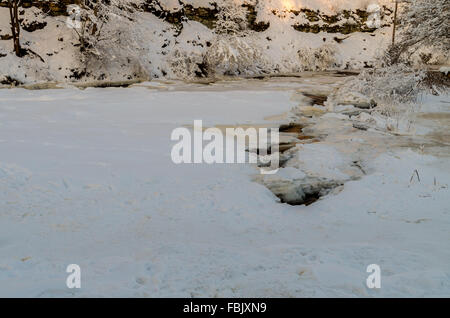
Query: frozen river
[86, 178]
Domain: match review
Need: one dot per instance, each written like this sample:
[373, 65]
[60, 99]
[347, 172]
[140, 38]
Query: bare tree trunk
[15, 25]
[395, 22]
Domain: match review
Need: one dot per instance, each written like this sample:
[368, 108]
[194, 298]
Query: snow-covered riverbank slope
[86, 178]
[180, 39]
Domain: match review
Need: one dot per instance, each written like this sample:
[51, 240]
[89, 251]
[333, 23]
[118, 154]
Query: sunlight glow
[323, 5]
[288, 4]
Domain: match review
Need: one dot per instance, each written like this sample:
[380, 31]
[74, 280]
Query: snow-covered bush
[426, 22]
[289, 64]
[186, 65]
[398, 84]
[394, 91]
[231, 18]
[232, 51]
[108, 37]
[234, 55]
[422, 23]
[319, 59]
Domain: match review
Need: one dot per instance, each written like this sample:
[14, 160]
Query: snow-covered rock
[445, 70]
[353, 98]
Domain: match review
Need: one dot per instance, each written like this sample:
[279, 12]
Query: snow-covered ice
[86, 178]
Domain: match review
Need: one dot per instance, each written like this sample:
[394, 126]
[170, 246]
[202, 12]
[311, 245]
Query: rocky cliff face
[50, 7]
[346, 21]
